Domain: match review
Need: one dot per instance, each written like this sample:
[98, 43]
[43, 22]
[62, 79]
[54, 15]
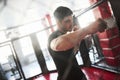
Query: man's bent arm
[68, 41]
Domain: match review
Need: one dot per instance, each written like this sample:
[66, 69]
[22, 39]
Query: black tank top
[61, 59]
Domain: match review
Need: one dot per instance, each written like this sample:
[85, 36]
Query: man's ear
[58, 22]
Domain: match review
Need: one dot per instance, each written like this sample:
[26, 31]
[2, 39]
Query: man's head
[64, 18]
[62, 12]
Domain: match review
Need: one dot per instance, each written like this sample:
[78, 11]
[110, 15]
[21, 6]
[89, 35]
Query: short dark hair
[62, 12]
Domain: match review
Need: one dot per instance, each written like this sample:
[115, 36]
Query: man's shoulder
[55, 33]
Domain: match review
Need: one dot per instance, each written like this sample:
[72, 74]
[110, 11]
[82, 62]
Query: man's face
[67, 23]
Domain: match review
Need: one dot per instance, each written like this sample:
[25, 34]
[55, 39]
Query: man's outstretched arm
[68, 41]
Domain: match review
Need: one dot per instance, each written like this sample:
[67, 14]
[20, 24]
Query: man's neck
[62, 31]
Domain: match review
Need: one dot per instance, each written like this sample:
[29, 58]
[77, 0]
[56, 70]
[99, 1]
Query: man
[62, 42]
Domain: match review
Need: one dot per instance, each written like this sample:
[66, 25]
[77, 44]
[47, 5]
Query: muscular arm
[68, 41]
